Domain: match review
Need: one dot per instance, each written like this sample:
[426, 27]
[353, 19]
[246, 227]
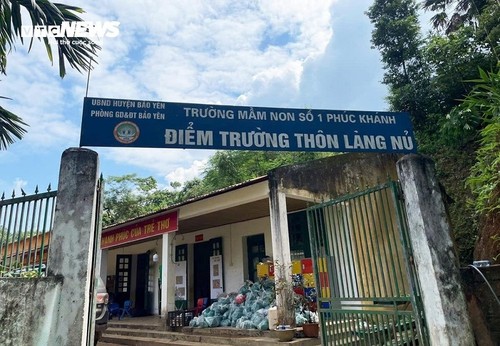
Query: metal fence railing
[366, 292]
[25, 225]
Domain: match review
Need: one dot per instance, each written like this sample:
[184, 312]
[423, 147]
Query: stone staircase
[151, 331]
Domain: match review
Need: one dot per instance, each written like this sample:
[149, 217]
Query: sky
[269, 53]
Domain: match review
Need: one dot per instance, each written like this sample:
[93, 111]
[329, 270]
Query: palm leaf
[45, 13]
[11, 126]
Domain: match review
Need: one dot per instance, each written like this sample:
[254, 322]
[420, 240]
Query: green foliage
[227, 168]
[5, 236]
[496, 242]
[43, 12]
[452, 15]
[191, 189]
[483, 104]
[397, 36]
[485, 174]
[129, 196]
[430, 77]
[11, 127]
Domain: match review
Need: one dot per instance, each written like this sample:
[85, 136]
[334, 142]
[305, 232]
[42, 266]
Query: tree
[463, 13]
[482, 105]
[79, 55]
[397, 36]
[426, 76]
[193, 188]
[226, 168]
[129, 196]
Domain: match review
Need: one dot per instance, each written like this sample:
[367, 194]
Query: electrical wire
[487, 282]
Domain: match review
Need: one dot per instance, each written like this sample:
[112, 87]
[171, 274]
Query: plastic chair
[200, 306]
[127, 306]
[114, 310]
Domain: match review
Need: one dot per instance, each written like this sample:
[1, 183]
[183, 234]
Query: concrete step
[227, 332]
[149, 333]
[147, 341]
[208, 336]
[154, 324]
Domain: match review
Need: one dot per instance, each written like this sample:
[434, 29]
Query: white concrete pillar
[168, 274]
[437, 266]
[281, 246]
[72, 246]
[279, 227]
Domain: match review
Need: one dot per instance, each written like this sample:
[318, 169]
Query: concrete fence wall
[27, 310]
[58, 309]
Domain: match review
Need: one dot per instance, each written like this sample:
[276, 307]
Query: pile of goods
[246, 309]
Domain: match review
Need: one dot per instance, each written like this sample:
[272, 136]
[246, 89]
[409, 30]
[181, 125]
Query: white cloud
[274, 86]
[9, 187]
[183, 175]
[206, 52]
[170, 164]
[19, 184]
[280, 53]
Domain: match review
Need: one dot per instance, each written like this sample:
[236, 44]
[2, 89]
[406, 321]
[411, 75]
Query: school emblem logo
[126, 132]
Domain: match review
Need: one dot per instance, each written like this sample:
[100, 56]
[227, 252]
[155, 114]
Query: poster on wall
[216, 279]
[180, 280]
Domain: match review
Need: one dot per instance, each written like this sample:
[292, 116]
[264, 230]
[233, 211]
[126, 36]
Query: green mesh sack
[244, 289]
[194, 322]
[300, 319]
[248, 325]
[224, 299]
[213, 322]
[263, 325]
[201, 323]
[237, 313]
[225, 322]
[257, 318]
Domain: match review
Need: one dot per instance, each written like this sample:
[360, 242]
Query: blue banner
[153, 124]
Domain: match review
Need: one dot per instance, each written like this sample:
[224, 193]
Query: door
[298, 235]
[202, 253]
[123, 270]
[141, 285]
[256, 250]
[181, 283]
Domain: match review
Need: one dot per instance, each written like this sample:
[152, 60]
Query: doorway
[256, 250]
[123, 274]
[201, 266]
[142, 303]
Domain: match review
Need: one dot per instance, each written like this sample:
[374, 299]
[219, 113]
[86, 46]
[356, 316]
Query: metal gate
[367, 289]
[25, 225]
